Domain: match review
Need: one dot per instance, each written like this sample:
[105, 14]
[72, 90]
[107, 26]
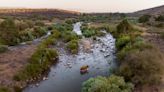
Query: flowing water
[65, 76]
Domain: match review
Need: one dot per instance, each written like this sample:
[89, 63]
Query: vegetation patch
[137, 62]
[4, 89]
[144, 18]
[107, 84]
[3, 48]
[73, 46]
[39, 62]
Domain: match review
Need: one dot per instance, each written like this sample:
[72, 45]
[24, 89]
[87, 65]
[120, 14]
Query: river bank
[99, 56]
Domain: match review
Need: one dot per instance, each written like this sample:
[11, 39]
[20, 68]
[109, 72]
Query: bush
[39, 23]
[109, 84]
[4, 89]
[142, 66]
[72, 46]
[69, 35]
[3, 48]
[162, 35]
[38, 64]
[88, 33]
[39, 31]
[144, 18]
[122, 41]
[56, 34]
[124, 27]
[160, 18]
[9, 32]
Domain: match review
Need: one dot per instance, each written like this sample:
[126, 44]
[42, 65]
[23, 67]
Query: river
[65, 76]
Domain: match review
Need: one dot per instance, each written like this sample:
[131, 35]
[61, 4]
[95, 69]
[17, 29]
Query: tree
[144, 18]
[109, 84]
[8, 32]
[124, 27]
[160, 18]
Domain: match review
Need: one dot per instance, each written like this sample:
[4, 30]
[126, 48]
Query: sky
[85, 5]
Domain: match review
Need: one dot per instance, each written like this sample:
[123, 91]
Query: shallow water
[66, 77]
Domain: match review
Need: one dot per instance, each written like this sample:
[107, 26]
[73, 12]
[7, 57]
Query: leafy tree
[144, 18]
[124, 27]
[160, 18]
[109, 84]
[8, 32]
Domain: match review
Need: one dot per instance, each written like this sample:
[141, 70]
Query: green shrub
[4, 89]
[124, 27]
[88, 33]
[162, 35]
[142, 66]
[72, 46]
[39, 31]
[109, 84]
[122, 41]
[3, 48]
[9, 32]
[69, 35]
[38, 64]
[39, 23]
[56, 34]
[160, 18]
[47, 42]
[144, 18]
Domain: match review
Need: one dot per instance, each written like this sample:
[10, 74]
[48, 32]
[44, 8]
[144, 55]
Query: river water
[65, 76]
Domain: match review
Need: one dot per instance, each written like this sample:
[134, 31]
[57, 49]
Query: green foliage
[160, 18]
[39, 31]
[63, 27]
[8, 32]
[3, 48]
[69, 35]
[4, 89]
[144, 18]
[38, 64]
[124, 27]
[72, 46]
[109, 84]
[56, 34]
[122, 41]
[40, 61]
[88, 33]
[39, 23]
[142, 67]
[162, 35]
[70, 21]
[137, 61]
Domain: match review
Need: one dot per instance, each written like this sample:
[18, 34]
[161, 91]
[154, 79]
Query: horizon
[103, 6]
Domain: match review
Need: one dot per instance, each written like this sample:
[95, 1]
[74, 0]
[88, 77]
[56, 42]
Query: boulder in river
[87, 45]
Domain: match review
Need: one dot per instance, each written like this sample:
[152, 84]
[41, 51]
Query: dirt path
[12, 61]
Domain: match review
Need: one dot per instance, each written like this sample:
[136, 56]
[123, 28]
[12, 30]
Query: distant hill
[152, 11]
[38, 12]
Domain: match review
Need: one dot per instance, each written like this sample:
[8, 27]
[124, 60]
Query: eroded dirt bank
[14, 60]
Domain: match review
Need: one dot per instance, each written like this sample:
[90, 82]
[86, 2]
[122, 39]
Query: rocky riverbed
[98, 54]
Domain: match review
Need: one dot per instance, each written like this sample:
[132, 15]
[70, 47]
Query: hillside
[43, 12]
[152, 11]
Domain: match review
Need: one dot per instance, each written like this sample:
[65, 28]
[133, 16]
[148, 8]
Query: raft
[84, 69]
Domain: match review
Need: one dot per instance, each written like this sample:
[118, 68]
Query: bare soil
[13, 61]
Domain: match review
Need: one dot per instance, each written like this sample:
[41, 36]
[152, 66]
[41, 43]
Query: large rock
[87, 45]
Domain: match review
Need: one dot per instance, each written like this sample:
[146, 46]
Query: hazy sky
[85, 5]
